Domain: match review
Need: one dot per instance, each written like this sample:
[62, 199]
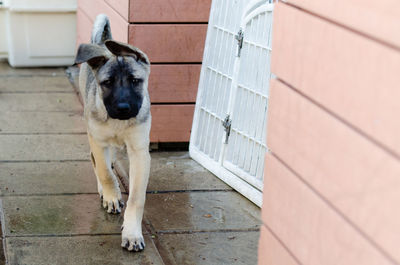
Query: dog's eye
[106, 82]
[133, 79]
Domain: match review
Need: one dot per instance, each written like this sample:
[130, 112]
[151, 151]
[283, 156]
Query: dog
[113, 82]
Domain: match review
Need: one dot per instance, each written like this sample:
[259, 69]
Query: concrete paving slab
[6, 70]
[201, 211]
[35, 84]
[209, 248]
[88, 250]
[58, 215]
[2, 254]
[42, 122]
[43, 147]
[40, 102]
[176, 171]
[47, 178]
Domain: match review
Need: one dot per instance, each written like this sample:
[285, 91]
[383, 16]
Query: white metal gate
[229, 126]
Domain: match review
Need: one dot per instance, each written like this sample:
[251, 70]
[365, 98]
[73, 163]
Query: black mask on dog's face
[122, 76]
[122, 81]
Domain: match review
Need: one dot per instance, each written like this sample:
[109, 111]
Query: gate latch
[227, 126]
[239, 38]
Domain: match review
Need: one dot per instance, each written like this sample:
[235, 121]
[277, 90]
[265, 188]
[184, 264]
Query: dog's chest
[108, 134]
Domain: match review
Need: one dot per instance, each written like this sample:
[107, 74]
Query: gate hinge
[227, 126]
[239, 38]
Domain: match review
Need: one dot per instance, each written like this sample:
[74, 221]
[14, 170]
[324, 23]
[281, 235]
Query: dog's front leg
[139, 170]
[109, 190]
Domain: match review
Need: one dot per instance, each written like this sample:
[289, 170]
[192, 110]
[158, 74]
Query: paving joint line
[47, 194]
[202, 231]
[10, 195]
[162, 252]
[43, 133]
[63, 235]
[37, 92]
[45, 161]
[125, 184]
[30, 75]
[80, 112]
[3, 232]
[187, 191]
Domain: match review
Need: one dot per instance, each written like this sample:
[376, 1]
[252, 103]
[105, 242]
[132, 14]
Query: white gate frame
[239, 183]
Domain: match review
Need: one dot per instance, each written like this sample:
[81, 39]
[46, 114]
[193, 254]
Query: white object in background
[41, 32]
[3, 33]
[233, 95]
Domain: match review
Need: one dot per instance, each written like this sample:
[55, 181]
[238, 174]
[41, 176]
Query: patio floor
[50, 209]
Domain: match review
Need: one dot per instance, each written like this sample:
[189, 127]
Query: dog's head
[122, 75]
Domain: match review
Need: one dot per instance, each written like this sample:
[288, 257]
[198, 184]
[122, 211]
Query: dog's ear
[92, 54]
[122, 49]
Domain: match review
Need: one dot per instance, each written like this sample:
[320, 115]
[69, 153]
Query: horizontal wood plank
[271, 252]
[119, 26]
[84, 27]
[379, 19]
[174, 83]
[169, 11]
[310, 229]
[169, 43]
[352, 76]
[121, 7]
[171, 123]
[357, 177]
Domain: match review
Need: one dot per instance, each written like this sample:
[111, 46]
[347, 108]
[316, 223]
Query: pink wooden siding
[376, 19]
[359, 63]
[91, 8]
[308, 225]
[176, 119]
[169, 11]
[174, 83]
[271, 251]
[169, 42]
[175, 50]
[332, 178]
[121, 7]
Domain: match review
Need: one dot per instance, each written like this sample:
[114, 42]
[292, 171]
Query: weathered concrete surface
[48, 193]
[2, 254]
[58, 215]
[201, 211]
[35, 178]
[209, 248]
[35, 84]
[66, 102]
[6, 70]
[44, 147]
[87, 250]
[176, 171]
[41, 122]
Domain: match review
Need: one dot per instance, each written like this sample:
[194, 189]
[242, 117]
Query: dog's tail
[101, 30]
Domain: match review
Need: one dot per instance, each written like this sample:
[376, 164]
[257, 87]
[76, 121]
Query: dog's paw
[100, 190]
[132, 241]
[112, 203]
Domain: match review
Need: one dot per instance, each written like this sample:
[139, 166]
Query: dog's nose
[123, 107]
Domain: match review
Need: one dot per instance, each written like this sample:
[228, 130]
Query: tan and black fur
[113, 83]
